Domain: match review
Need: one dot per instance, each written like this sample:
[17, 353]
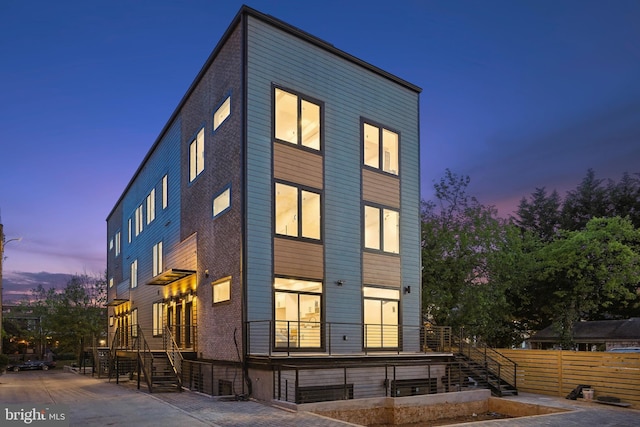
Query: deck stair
[159, 369]
[164, 378]
[475, 364]
[487, 366]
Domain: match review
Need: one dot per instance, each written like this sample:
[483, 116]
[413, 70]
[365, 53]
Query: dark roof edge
[327, 46]
[246, 10]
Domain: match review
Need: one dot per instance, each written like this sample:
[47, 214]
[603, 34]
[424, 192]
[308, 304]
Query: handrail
[492, 360]
[145, 359]
[115, 343]
[173, 353]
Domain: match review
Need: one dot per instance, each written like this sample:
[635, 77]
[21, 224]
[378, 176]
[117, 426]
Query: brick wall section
[219, 239]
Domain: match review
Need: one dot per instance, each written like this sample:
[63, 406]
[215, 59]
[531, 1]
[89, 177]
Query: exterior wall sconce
[407, 289]
[206, 273]
[340, 282]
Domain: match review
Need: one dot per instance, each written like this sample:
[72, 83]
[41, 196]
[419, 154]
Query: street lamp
[2, 243]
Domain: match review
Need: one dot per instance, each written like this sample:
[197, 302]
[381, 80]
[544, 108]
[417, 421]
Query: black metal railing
[499, 370]
[305, 384]
[271, 337]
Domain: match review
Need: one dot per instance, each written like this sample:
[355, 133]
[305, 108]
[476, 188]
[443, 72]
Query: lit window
[117, 243]
[151, 206]
[297, 120]
[381, 317]
[111, 282]
[371, 227]
[222, 202]
[139, 217]
[222, 290]
[380, 156]
[111, 244]
[157, 259]
[196, 156]
[165, 189]
[134, 322]
[134, 274]
[297, 212]
[382, 226]
[298, 313]
[157, 311]
[222, 113]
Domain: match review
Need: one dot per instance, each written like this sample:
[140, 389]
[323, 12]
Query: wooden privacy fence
[557, 373]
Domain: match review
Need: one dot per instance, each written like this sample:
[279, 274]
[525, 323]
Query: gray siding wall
[165, 160]
[349, 92]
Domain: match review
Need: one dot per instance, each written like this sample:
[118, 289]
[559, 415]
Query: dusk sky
[516, 94]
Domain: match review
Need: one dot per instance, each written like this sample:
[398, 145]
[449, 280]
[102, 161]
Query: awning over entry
[170, 276]
[116, 302]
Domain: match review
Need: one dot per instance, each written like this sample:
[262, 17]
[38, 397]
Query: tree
[624, 198]
[589, 274]
[588, 200]
[541, 215]
[470, 258]
[74, 313]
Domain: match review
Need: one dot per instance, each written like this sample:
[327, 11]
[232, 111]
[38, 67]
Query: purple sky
[516, 94]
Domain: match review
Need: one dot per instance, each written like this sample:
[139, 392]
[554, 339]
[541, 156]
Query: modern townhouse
[272, 232]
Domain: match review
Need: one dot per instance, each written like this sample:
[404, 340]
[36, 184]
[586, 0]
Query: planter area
[413, 410]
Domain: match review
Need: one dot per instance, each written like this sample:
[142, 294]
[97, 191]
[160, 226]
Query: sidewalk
[96, 402]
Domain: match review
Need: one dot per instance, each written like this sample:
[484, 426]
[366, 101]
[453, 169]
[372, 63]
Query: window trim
[133, 322]
[151, 206]
[157, 316]
[381, 233]
[381, 129]
[301, 97]
[217, 108]
[199, 153]
[398, 314]
[300, 188]
[157, 256]
[118, 243]
[133, 278]
[219, 282]
[218, 194]
[321, 309]
[165, 191]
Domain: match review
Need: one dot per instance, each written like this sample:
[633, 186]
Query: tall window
[298, 313]
[297, 120]
[221, 290]
[383, 156]
[381, 317]
[157, 310]
[151, 206]
[139, 217]
[165, 194]
[157, 259]
[382, 229]
[111, 282]
[297, 212]
[222, 113]
[117, 243]
[134, 322]
[134, 274]
[130, 229]
[196, 156]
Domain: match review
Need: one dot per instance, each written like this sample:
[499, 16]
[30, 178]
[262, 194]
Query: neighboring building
[277, 214]
[597, 335]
